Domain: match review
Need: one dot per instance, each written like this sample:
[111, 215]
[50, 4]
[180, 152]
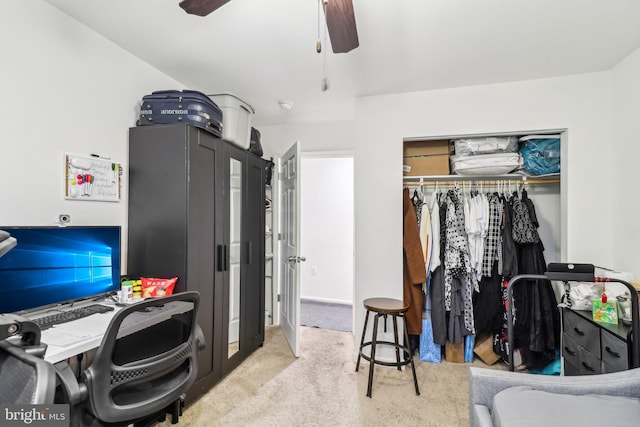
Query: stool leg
[413, 368]
[395, 336]
[372, 362]
[364, 331]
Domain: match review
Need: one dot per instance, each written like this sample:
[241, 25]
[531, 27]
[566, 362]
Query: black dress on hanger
[438, 313]
[537, 324]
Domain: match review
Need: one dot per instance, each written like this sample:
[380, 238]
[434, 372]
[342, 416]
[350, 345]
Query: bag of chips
[154, 287]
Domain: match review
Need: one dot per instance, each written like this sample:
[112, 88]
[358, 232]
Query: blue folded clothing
[429, 351]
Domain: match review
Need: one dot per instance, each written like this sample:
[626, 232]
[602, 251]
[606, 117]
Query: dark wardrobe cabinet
[196, 212]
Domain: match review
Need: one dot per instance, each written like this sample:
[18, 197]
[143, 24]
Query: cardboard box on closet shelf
[426, 158]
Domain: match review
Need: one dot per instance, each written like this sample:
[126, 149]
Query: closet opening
[465, 262]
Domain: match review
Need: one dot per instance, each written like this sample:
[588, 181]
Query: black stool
[384, 307]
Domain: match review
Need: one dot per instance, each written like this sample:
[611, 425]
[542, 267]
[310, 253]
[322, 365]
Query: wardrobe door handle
[578, 331]
[226, 258]
[220, 253]
[249, 252]
[611, 352]
[573, 353]
[588, 367]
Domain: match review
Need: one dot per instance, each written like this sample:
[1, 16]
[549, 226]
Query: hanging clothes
[524, 231]
[459, 282]
[537, 325]
[414, 270]
[426, 237]
[472, 244]
[476, 217]
[509, 251]
[416, 201]
[493, 234]
[487, 304]
[434, 232]
[436, 285]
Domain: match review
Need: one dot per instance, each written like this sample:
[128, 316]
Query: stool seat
[385, 305]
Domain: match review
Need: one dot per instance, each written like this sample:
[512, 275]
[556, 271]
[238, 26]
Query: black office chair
[143, 367]
[25, 378]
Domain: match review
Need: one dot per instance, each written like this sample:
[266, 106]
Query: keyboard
[70, 315]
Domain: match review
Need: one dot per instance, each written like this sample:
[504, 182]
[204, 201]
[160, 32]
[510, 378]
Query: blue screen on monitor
[52, 265]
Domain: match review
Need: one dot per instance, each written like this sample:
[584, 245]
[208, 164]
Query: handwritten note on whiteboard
[92, 178]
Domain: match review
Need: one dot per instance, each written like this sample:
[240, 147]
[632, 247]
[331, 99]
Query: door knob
[294, 258]
[301, 259]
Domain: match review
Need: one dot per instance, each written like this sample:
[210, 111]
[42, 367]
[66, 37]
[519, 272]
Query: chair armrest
[201, 342]
[480, 416]
[74, 391]
[484, 384]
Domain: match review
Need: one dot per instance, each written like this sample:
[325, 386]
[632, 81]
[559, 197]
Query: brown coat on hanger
[414, 271]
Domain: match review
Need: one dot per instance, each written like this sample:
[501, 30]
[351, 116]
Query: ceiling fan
[341, 21]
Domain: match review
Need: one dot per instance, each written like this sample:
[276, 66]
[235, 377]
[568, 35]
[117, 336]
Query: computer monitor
[54, 265]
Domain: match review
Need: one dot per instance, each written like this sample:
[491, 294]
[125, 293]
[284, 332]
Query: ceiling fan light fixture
[285, 105]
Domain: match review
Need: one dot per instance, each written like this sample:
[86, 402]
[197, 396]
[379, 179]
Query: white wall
[626, 157]
[65, 88]
[335, 136]
[327, 229]
[581, 104]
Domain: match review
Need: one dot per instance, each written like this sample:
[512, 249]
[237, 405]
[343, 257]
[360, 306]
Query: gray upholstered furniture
[552, 400]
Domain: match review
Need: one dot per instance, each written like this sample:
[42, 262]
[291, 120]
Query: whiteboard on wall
[91, 178]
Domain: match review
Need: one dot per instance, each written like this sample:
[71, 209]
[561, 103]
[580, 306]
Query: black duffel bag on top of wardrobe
[254, 144]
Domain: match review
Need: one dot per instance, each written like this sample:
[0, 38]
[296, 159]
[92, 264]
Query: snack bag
[153, 287]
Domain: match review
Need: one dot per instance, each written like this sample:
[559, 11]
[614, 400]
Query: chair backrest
[147, 359]
[25, 378]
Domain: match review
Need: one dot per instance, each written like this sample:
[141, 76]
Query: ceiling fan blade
[341, 23]
[201, 7]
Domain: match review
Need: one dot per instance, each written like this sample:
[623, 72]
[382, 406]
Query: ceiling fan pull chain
[318, 42]
[325, 80]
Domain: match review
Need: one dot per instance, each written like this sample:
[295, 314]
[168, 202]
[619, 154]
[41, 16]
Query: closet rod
[485, 180]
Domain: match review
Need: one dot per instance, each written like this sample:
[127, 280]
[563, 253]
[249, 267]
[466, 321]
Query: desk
[76, 337]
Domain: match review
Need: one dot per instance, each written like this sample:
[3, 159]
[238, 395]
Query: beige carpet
[321, 388]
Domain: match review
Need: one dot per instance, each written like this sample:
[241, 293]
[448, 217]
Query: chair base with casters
[384, 307]
[81, 416]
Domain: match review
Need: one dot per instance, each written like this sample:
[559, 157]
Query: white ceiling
[264, 50]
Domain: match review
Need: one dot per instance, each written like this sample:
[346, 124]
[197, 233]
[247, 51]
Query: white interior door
[289, 246]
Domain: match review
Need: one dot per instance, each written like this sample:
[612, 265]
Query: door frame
[335, 155]
[275, 203]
